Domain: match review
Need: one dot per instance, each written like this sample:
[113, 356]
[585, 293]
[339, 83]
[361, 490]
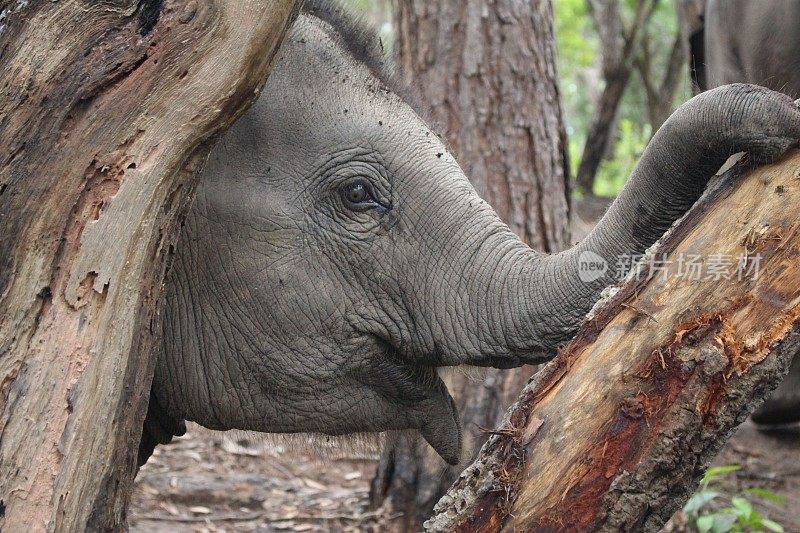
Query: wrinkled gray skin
[291, 310]
[757, 42]
[749, 41]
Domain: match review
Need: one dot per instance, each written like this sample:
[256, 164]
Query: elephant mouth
[424, 397]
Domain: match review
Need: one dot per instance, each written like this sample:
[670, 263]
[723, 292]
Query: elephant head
[336, 255]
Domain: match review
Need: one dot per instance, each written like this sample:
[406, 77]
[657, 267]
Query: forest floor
[205, 481]
[209, 481]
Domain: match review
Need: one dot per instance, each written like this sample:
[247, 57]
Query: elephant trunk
[545, 297]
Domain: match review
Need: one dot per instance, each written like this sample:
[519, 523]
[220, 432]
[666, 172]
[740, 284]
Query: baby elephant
[336, 255]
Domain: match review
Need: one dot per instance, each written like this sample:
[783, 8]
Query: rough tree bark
[106, 109]
[618, 49]
[614, 433]
[487, 72]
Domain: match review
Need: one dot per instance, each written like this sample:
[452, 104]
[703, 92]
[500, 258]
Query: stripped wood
[614, 433]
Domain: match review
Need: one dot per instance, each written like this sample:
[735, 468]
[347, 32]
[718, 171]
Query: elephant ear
[159, 428]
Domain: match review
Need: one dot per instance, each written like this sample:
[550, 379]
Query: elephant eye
[357, 194]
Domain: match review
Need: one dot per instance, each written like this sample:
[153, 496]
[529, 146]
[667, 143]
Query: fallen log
[106, 109]
[615, 432]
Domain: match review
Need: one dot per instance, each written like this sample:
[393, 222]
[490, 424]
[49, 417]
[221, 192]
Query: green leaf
[705, 523]
[771, 525]
[699, 499]
[723, 523]
[765, 494]
[715, 523]
[754, 520]
[742, 506]
[718, 471]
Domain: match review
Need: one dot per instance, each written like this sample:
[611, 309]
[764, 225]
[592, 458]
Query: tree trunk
[665, 104]
[601, 131]
[106, 110]
[614, 433]
[486, 71]
[661, 96]
[617, 67]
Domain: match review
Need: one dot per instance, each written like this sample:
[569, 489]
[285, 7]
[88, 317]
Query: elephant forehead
[320, 93]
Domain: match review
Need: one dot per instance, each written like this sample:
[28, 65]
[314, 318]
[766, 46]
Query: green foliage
[578, 45]
[579, 59]
[631, 141]
[713, 511]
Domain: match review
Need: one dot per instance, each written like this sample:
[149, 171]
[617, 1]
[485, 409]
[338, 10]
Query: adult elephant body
[336, 255]
[747, 41]
[750, 41]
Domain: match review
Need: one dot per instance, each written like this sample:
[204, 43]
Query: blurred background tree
[592, 38]
[657, 83]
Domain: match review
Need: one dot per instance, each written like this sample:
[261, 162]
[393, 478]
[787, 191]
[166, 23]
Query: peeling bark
[615, 432]
[106, 111]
